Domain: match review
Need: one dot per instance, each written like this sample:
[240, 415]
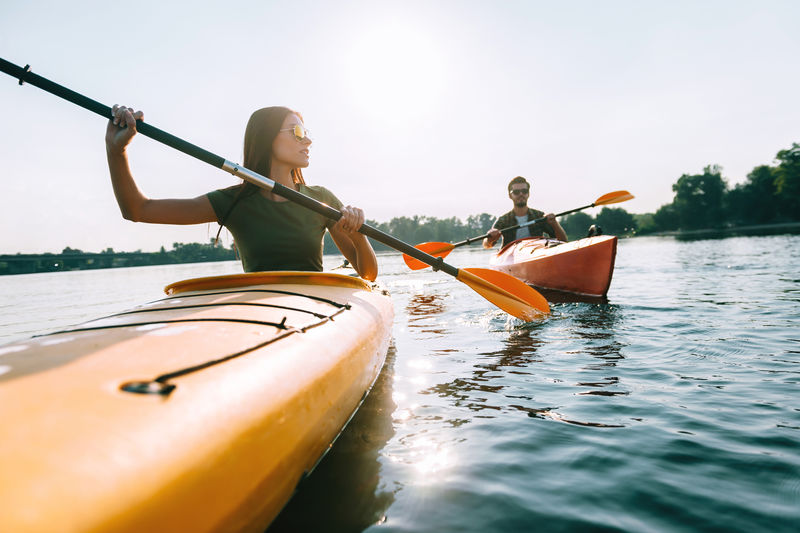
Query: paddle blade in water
[436, 249]
[614, 198]
[506, 292]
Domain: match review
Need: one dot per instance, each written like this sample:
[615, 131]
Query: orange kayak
[198, 412]
[583, 267]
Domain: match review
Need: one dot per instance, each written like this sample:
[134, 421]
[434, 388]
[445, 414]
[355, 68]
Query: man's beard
[520, 203]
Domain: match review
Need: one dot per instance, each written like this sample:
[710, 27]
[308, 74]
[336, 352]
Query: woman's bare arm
[133, 204]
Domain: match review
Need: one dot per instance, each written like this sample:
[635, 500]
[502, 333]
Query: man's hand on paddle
[561, 235]
[489, 241]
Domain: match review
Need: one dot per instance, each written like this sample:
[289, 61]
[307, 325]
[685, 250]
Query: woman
[271, 233]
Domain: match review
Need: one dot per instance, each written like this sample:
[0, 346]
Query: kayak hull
[583, 267]
[198, 412]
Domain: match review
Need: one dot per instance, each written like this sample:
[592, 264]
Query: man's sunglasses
[519, 191]
[299, 132]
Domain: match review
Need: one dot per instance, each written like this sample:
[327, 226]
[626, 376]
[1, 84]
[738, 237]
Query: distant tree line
[771, 194]
[417, 229]
[193, 252]
[75, 259]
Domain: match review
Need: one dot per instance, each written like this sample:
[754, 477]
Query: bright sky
[416, 107]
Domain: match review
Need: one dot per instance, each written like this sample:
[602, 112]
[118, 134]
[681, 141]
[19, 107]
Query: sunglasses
[299, 132]
[515, 192]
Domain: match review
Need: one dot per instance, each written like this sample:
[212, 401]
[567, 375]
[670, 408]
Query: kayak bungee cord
[504, 291]
[224, 304]
[270, 291]
[160, 385]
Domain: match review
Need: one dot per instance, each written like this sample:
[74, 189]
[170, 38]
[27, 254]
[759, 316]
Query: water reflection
[421, 306]
[597, 325]
[595, 321]
[484, 389]
[524, 372]
[422, 310]
[749, 231]
[556, 296]
[552, 414]
[344, 493]
[428, 456]
[520, 349]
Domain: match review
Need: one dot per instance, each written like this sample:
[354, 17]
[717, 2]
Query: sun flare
[396, 73]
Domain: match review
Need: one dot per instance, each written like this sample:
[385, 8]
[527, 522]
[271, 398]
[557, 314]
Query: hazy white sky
[416, 108]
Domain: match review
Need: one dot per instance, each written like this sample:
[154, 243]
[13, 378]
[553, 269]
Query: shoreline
[751, 230]
[39, 263]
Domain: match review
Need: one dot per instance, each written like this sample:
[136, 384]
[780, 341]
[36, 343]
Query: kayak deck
[583, 267]
[200, 411]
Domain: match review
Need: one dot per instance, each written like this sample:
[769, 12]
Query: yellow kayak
[198, 412]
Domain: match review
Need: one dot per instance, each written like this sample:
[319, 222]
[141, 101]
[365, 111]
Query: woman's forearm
[365, 262]
[129, 198]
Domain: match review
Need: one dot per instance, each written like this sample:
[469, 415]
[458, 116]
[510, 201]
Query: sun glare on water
[396, 73]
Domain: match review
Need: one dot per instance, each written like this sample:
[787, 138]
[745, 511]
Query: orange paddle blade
[436, 249]
[506, 292]
[614, 198]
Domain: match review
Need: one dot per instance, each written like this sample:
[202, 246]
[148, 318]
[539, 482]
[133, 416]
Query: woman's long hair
[262, 128]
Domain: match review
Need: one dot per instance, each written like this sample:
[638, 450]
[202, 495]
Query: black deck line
[176, 321]
[164, 378]
[273, 291]
[219, 304]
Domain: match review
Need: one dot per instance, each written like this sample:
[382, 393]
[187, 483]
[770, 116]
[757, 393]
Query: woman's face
[287, 148]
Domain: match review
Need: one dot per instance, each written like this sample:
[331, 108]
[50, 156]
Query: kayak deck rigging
[161, 384]
[226, 449]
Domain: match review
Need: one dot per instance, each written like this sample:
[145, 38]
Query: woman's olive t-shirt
[274, 235]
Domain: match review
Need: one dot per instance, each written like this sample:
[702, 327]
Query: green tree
[787, 183]
[698, 199]
[196, 252]
[576, 225]
[753, 202]
[479, 224]
[615, 221]
[645, 223]
[666, 218]
[421, 231]
[450, 230]
[403, 228]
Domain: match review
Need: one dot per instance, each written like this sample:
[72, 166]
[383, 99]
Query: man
[519, 191]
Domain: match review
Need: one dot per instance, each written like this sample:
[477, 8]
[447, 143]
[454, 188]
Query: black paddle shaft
[24, 75]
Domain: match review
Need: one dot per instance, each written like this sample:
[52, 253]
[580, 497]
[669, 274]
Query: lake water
[675, 406]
